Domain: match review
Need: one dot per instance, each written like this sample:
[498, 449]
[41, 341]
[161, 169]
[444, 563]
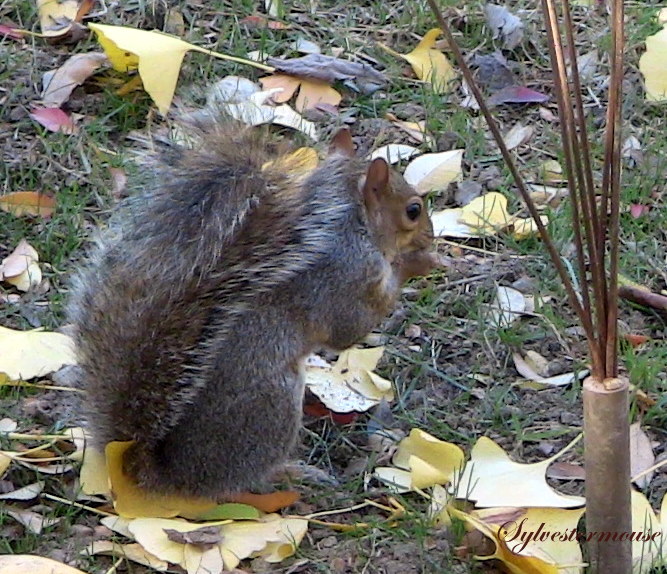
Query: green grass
[456, 379]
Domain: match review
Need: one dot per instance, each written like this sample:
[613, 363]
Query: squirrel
[207, 291]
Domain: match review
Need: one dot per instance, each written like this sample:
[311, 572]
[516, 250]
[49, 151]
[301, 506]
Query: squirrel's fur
[208, 290]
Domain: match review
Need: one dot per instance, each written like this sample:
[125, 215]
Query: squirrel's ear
[375, 183]
[342, 143]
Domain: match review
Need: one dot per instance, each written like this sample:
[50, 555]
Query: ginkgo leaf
[428, 63]
[650, 549]
[28, 354]
[434, 171]
[641, 455]
[156, 56]
[507, 306]
[15, 563]
[20, 203]
[20, 267]
[57, 16]
[446, 223]
[313, 93]
[502, 526]
[491, 479]
[94, 477]
[350, 385]
[132, 502]
[398, 479]
[134, 552]
[33, 521]
[430, 460]
[652, 66]
[487, 212]
[27, 492]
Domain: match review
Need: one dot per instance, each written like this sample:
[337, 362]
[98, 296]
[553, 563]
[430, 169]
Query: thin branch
[582, 313]
[614, 191]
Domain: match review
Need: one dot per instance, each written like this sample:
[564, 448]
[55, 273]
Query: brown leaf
[204, 536]
[59, 83]
[288, 84]
[641, 455]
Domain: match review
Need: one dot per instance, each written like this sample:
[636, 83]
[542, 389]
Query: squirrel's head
[395, 211]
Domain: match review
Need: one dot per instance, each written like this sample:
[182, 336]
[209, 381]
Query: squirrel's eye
[413, 211]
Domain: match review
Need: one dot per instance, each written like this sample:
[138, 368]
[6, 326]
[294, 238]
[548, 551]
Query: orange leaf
[313, 93]
[267, 502]
[21, 203]
[289, 84]
[636, 340]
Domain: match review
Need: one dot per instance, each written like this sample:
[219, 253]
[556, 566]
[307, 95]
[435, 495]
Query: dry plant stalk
[595, 219]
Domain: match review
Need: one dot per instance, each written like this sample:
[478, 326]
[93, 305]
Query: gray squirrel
[201, 301]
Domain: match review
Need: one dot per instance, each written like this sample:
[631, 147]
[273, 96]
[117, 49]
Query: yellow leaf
[24, 563]
[653, 65]
[134, 552]
[491, 479]
[5, 461]
[94, 476]
[20, 267]
[56, 16]
[522, 228]
[198, 559]
[292, 531]
[644, 520]
[515, 563]
[312, 93]
[486, 213]
[132, 502]
[430, 460]
[157, 56]
[397, 479]
[20, 203]
[429, 64]
[28, 354]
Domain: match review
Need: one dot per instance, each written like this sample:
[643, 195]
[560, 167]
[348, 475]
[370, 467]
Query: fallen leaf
[491, 479]
[566, 471]
[8, 425]
[357, 76]
[429, 461]
[32, 521]
[59, 84]
[515, 563]
[635, 340]
[57, 16]
[350, 385]
[652, 66]
[516, 95]
[29, 354]
[446, 223]
[20, 203]
[415, 130]
[131, 501]
[288, 85]
[517, 136]
[23, 563]
[21, 268]
[429, 64]
[434, 171]
[269, 502]
[312, 93]
[9, 32]
[134, 552]
[638, 210]
[27, 492]
[93, 476]
[641, 455]
[504, 25]
[305, 46]
[650, 548]
[54, 120]
[508, 305]
[393, 153]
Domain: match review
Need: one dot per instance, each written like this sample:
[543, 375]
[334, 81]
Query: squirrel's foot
[301, 472]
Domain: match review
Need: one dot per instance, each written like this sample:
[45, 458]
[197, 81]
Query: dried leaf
[641, 455]
[516, 95]
[350, 385]
[33, 522]
[27, 492]
[504, 25]
[434, 171]
[287, 85]
[394, 153]
[59, 84]
[517, 136]
[508, 305]
[57, 16]
[20, 203]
